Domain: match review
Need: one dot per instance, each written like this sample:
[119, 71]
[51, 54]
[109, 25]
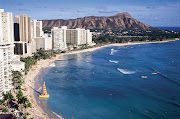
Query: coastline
[37, 111]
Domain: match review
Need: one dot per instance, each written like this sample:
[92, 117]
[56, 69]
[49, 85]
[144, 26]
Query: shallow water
[107, 84]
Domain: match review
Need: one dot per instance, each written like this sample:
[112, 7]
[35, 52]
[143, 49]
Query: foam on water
[116, 90]
[52, 65]
[86, 61]
[57, 115]
[113, 61]
[124, 71]
[113, 51]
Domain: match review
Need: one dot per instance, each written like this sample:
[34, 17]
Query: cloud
[106, 11]
[80, 11]
[150, 13]
[24, 10]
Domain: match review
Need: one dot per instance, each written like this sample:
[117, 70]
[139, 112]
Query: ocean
[176, 29]
[107, 83]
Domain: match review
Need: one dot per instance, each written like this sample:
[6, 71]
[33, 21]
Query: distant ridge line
[119, 21]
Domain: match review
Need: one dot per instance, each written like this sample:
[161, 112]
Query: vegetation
[29, 61]
[40, 54]
[47, 29]
[9, 99]
[17, 79]
[133, 35]
[5, 110]
[8, 96]
[1, 102]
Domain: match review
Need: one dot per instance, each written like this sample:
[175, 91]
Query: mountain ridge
[119, 21]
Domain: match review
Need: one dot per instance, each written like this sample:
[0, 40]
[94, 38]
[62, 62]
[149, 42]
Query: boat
[44, 94]
[154, 73]
[143, 76]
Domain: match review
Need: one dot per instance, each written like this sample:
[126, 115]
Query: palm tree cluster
[22, 100]
[40, 54]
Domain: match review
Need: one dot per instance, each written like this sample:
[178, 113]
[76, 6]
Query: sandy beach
[36, 111]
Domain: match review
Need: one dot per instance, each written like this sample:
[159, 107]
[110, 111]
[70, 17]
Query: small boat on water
[143, 76]
[154, 73]
[44, 94]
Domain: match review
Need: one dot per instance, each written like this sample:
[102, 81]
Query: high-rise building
[22, 28]
[59, 38]
[88, 37]
[38, 38]
[42, 42]
[5, 67]
[8, 61]
[6, 28]
[78, 36]
[22, 35]
[36, 29]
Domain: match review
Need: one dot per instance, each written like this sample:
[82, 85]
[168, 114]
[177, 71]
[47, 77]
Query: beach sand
[36, 111]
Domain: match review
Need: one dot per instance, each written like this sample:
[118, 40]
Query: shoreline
[29, 81]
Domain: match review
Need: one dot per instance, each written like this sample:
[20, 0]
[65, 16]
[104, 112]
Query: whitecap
[52, 65]
[124, 71]
[113, 61]
[86, 61]
[57, 115]
[113, 51]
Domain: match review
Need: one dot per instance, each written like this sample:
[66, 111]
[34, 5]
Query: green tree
[8, 95]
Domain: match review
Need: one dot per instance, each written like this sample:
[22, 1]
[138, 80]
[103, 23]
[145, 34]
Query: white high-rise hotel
[6, 50]
[5, 67]
[36, 28]
[39, 40]
[6, 26]
[59, 38]
[78, 36]
[62, 36]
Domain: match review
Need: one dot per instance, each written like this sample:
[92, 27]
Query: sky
[164, 13]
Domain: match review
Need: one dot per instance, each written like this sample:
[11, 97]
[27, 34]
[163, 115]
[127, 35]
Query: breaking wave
[113, 51]
[124, 71]
[113, 61]
[52, 65]
[57, 115]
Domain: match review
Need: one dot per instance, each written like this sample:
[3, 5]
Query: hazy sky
[152, 12]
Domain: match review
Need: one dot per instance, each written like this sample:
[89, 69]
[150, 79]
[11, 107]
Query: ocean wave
[124, 71]
[57, 115]
[86, 61]
[39, 89]
[113, 51]
[52, 65]
[113, 61]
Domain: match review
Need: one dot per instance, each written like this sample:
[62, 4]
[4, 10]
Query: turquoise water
[107, 83]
